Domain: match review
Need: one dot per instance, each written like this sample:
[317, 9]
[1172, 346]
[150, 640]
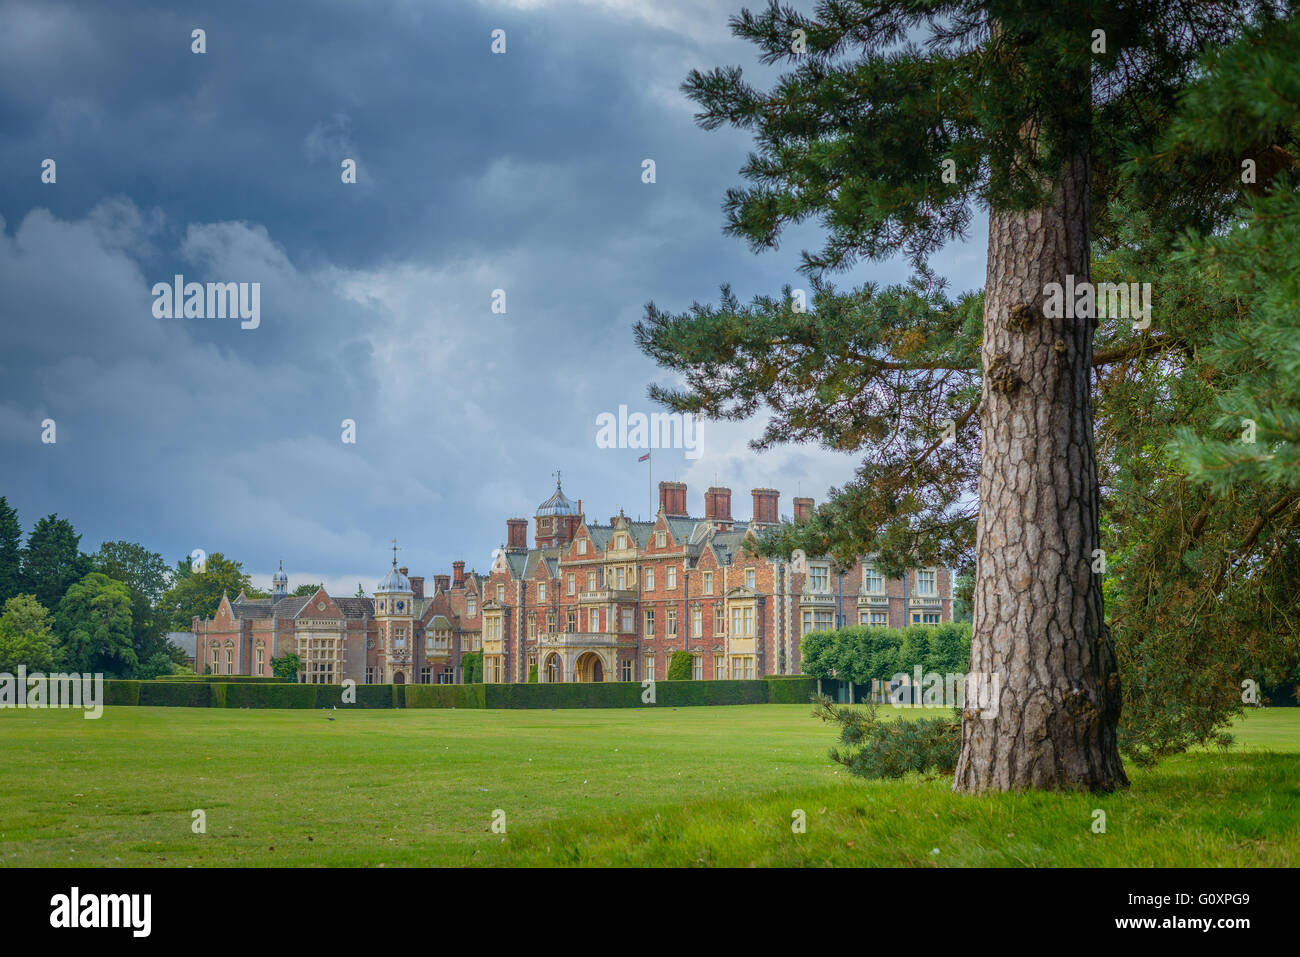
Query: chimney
[717, 505]
[417, 586]
[765, 505]
[517, 534]
[457, 574]
[672, 496]
[803, 509]
[441, 582]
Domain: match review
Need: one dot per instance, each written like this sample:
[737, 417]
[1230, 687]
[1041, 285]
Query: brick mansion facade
[589, 601]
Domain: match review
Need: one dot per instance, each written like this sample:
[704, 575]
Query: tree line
[106, 612]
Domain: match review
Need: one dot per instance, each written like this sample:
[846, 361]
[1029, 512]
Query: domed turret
[279, 584]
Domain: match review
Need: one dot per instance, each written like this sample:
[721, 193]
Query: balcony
[606, 595]
[574, 639]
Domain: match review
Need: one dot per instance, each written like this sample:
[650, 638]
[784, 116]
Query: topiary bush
[681, 667]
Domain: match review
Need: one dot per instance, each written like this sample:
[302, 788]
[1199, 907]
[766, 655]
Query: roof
[557, 504]
[184, 640]
[394, 581]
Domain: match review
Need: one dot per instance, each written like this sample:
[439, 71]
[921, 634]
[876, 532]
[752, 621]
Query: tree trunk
[1040, 639]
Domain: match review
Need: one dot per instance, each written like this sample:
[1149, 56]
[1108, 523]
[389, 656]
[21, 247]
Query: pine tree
[1028, 109]
[53, 561]
[11, 546]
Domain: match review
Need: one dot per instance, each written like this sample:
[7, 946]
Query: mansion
[589, 601]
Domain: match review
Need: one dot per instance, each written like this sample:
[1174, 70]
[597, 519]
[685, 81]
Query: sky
[476, 171]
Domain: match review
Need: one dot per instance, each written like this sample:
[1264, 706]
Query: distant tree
[93, 622]
[306, 591]
[199, 592]
[26, 636]
[11, 552]
[286, 667]
[52, 560]
[361, 592]
[159, 663]
[145, 575]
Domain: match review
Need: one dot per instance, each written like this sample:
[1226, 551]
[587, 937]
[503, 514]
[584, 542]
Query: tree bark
[1039, 631]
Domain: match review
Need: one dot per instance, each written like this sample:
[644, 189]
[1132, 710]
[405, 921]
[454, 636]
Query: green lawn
[652, 786]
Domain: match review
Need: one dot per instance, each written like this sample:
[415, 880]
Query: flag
[644, 457]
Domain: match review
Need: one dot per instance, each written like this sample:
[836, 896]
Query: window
[571, 584]
[873, 583]
[819, 579]
[428, 643]
[697, 668]
[876, 619]
[471, 606]
[649, 666]
[661, 539]
[370, 676]
[719, 667]
[541, 592]
[625, 669]
[620, 578]
[818, 621]
[925, 582]
[697, 622]
[399, 639]
[501, 593]
[591, 581]
[320, 661]
[749, 578]
[708, 583]
[230, 662]
[649, 579]
[719, 620]
[620, 542]
[550, 621]
[571, 621]
[448, 676]
[742, 622]
[627, 621]
[670, 576]
[670, 627]
[925, 618]
[426, 675]
[216, 660]
[582, 546]
[261, 659]
[649, 622]
[532, 624]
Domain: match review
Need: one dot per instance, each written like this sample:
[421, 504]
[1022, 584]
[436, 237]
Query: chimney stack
[765, 506]
[803, 509]
[457, 574]
[717, 505]
[517, 534]
[441, 582]
[672, 498]
[417, 586]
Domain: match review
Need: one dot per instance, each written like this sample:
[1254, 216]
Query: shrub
[891, 748]
[472, 668]
[682, 666]
[532, 674]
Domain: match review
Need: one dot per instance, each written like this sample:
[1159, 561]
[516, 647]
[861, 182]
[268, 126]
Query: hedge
[240, 679]
[610, 694]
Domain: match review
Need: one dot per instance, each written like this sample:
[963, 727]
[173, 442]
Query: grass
[695, 786]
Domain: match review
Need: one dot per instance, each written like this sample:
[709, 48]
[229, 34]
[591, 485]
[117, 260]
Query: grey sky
[477, 171]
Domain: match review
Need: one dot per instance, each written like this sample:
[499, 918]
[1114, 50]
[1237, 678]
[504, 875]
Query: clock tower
[395, 617]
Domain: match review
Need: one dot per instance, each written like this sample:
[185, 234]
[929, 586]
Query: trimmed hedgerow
[176, 694]
[121, 692]
[611, 694]
[443, 696]
[284, 695]
[791, 689]
[217, 679]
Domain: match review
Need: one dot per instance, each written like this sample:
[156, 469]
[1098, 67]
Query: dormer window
[661, 539]
[582, 546]
[620, 542]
